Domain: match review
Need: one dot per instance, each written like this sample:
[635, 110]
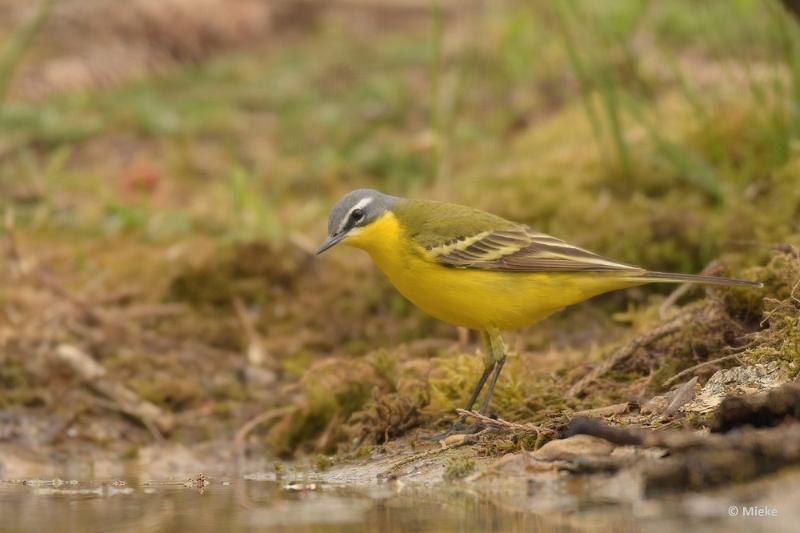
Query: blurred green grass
[570, 113]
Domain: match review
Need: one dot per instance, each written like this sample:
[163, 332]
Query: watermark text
[756, 511]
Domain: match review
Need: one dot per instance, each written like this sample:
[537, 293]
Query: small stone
[457, 440]
[608, 410]
[655, 405]
[636, 452]
[738, 380]
[573, 447]
[300, 487]
[682, 396]
[257, 376]
[538, 468]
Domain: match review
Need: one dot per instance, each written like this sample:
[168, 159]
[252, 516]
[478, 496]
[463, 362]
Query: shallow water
[257, 505]
[268, 505]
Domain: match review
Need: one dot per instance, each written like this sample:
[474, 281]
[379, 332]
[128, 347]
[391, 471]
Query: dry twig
[609, 410]
[674, 325]
[499, 423]
[257, 354]
[91, 373]
[684, 288]
[250, 425]
[691, 369]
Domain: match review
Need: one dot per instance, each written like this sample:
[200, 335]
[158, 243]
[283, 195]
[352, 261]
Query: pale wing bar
[523, 250]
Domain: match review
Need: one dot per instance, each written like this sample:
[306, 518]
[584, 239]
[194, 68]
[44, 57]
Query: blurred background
[166, 170]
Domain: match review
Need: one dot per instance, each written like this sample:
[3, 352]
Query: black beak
[331, 241]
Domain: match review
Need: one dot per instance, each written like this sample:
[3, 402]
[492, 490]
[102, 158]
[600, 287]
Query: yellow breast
[477, 299]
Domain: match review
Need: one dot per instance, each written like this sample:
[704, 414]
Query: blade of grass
[20, 42]
[254, 216]
[437, 118]
[596, 75]
[788, 31]
[582, 74]
[686, 164]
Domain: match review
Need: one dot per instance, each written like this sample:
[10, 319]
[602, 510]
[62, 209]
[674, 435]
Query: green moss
[13, 375]
[622, 376]
[457, 468]
[175, 394]
[322, 462]
[363, 451]
[495, 446]
[249, 272]
[665, 370]
[332, 391]
[230, 391]
[777, 312]
[131, 454]
[780, 342]
[633, 162]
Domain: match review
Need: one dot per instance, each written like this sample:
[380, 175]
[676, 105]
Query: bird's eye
[357, 215]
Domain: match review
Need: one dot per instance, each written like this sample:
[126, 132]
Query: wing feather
[522, 250]
[462, 237]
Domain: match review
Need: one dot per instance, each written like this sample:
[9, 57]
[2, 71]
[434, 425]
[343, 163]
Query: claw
[458, 428]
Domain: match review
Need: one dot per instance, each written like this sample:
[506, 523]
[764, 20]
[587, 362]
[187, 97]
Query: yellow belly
[477, 299]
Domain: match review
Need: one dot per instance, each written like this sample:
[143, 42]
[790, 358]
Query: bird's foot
[458, 428]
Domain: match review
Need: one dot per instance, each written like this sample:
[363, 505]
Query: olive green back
[432, 223]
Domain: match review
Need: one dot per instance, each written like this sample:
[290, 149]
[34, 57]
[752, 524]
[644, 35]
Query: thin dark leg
[458, 426]
[486, 399]
[499, 351]
[479, 386]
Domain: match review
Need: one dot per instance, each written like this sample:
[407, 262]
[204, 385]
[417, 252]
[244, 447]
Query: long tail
[668, 277]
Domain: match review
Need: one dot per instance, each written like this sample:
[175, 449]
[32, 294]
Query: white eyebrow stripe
[364, 202]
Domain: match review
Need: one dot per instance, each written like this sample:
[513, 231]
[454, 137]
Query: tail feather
[668, 277]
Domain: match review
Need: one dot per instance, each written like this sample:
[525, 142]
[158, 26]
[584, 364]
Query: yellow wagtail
[477, 270]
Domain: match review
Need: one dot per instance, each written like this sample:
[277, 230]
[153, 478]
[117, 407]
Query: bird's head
[354, 211]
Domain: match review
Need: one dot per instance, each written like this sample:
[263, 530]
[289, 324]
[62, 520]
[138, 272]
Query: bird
[476, 270]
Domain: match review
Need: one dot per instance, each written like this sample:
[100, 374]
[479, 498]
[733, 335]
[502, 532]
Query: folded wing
[522, 250]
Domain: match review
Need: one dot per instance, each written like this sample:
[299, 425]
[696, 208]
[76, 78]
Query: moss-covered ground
[165, 226]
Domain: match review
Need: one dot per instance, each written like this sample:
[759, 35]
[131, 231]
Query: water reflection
[249, 505]
[264, 503]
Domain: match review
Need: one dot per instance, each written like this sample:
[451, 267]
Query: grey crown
[377, 205]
